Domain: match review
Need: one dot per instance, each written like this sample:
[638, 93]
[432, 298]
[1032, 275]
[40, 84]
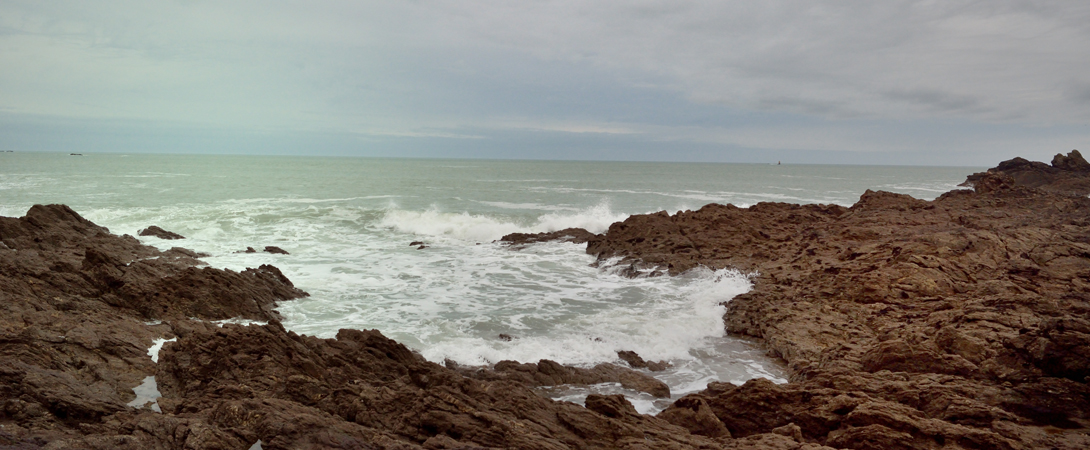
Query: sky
[951, 82]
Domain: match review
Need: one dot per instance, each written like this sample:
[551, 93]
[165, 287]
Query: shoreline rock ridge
[960, 322]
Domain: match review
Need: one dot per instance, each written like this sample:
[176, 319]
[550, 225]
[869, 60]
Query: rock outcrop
[160, 233]
[953, 323]
[1068, 174]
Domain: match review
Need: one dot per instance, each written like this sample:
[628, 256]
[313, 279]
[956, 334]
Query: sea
[347, 224]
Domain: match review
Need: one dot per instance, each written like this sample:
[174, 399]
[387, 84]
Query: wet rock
[275, 250]
[634, 360]
[160, 233]
[416, 243]
[573, 235]
[505, 337]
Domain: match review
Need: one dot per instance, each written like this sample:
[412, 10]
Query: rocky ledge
[955, 323]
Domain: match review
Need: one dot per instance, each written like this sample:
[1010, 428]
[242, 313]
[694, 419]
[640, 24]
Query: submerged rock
[275, 250]
[573, 235]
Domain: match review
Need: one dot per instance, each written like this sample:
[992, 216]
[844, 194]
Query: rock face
[959, 322]
[1068, 174]
[160, 233]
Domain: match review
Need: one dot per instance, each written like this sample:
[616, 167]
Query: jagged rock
[634, 360]
[275, 250]
[159, 233]
[1067, 175]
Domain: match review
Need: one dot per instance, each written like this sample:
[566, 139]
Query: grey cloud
[452, 68]
[938, 101]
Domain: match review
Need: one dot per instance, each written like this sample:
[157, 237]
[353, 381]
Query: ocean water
[348, 223]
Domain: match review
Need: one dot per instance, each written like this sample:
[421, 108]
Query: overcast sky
[889, 82]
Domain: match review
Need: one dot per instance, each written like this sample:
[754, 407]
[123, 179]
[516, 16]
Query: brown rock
[634, 360]
[551, 373]
[160, 233]
[1067, 175]
[276, 250]
[694, 414]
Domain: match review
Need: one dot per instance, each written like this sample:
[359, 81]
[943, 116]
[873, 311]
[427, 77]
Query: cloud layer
[984, 79]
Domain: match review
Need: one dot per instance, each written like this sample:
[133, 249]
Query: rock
[634, 360]
[573, 235]
[1067, 175]
[551, 373]
[1073, 162]
[415, 243]
[248, 250]
[275, 250]
[72, 322]
[505, 337]
[906, 323]
[160, 233]
[694, 414]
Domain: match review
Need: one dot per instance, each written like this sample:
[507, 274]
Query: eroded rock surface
[954, 323]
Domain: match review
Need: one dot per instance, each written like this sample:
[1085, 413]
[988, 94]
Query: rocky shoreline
[954, 323]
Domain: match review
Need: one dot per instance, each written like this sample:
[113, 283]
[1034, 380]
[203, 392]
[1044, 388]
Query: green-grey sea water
[348, 222]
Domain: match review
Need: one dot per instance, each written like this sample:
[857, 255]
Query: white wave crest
[476, 227]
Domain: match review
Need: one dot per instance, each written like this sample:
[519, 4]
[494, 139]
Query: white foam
[239, 321]
[479, 228]
[157, 345]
